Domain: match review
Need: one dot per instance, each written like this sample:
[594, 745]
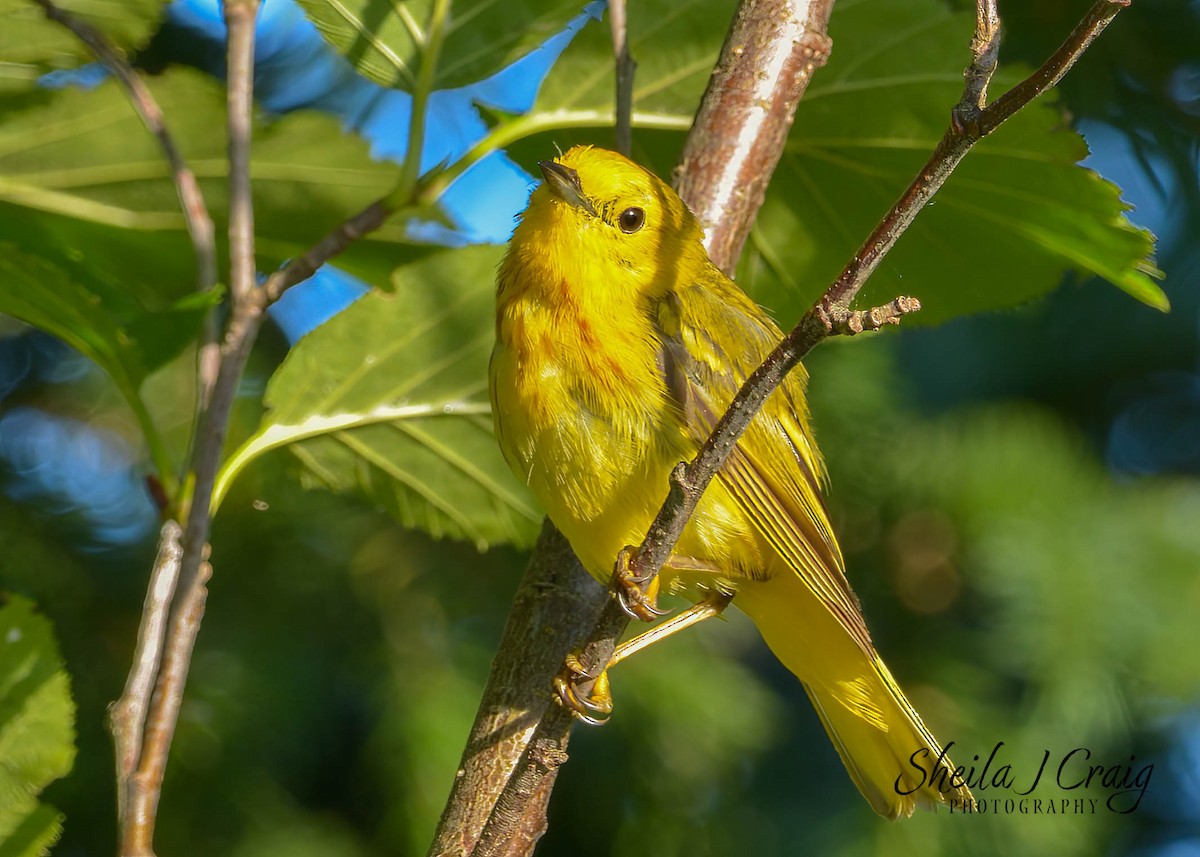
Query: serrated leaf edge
[277, 435]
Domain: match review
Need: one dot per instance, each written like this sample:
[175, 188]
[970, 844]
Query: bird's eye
[631, 220]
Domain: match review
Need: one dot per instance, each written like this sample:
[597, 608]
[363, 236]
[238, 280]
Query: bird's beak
[563, 182]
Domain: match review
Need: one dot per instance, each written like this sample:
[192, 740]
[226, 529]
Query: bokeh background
[1018, 496]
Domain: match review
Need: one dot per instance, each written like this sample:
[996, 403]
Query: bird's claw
[594, 705]
[637, 602]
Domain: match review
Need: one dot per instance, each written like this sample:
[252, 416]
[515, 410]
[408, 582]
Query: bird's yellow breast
[579, 410]
[595, 435]
[580, 402]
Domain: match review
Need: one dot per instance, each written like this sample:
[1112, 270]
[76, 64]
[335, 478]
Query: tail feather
[891, 756]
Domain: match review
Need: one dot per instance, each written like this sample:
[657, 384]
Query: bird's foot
[585, 695]
[638, 596]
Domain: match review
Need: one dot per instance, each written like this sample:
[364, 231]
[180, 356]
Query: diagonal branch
[832, 314]
[334, 242]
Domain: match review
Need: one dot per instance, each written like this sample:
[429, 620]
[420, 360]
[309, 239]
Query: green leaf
[37, 731]
[385, 41]
[1017, 212]
[126, 341]
[45, 296]
[31, 45]
[675, 46]
[83, 184]
[390, 398]
[86, 195]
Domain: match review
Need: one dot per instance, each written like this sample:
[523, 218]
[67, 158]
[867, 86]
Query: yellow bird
[618, 346]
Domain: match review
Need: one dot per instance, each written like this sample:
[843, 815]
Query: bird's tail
[894, 760]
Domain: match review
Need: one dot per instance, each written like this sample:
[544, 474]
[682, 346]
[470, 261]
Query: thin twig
[623, 131]
[195, 212]
[1052, 70]
[342, 236]
[830, 316]
[127, 716]
[137, 825]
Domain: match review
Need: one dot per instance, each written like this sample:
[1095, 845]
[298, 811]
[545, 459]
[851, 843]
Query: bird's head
[600, 221]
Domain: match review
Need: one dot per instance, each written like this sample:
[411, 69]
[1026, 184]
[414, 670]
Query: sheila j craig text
[1118, 788]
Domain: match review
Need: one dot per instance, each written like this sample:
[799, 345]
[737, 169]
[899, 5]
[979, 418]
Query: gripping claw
[637, 602]
[592, 706]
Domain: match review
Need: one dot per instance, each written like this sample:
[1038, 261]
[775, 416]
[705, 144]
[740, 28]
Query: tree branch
[832, 314]
[555, 604]
[770, 54]
[136, 824]
[618, 23]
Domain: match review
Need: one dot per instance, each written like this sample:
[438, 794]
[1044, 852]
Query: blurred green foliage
[37, 728]
[1020, 592]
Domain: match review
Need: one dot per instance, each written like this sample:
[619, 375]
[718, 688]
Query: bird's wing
[775, 472]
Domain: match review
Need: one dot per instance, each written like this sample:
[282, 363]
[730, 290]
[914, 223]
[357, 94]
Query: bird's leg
[594, 705]
[712, 604]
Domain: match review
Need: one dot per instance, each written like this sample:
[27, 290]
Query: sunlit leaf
[1016, 214]
[84, 185]
[390, 398]
[386, 41]
[31, 45]
[37, 729]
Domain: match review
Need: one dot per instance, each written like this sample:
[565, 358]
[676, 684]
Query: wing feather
[775, 473]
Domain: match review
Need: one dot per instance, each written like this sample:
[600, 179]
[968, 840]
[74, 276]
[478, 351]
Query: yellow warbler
[618, 346]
